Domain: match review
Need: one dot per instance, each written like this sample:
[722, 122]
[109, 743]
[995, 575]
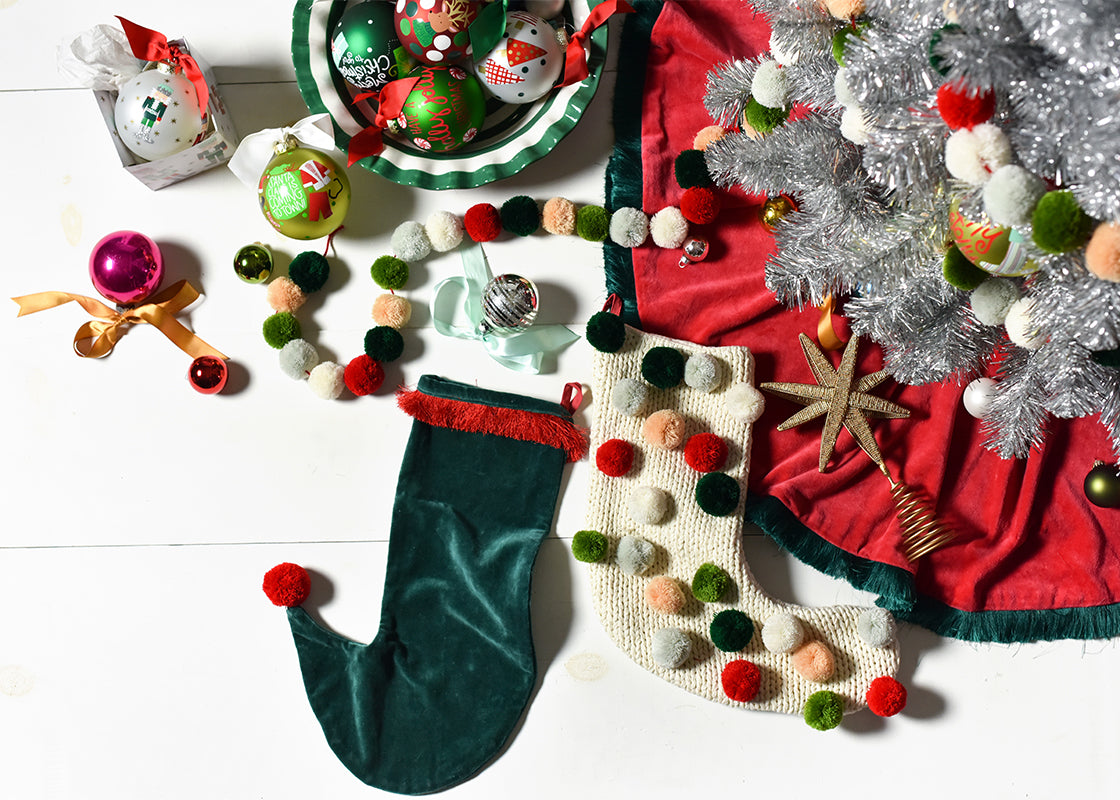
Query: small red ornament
[886, 696]
[700, 204]
[741, 680]
[962, 109]
[614, 457]
[705, 452]
[208, 374]
[287, 584]
[363, 375]
[482, 222]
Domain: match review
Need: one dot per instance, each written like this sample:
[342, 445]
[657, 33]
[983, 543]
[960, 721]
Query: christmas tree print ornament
[444, 110]
[436, 694]
[125, 267]
[364, 46]
[698, 547]
[303, 193]
[157, 113]
[526, 63]
[436, 31]
[509, 304]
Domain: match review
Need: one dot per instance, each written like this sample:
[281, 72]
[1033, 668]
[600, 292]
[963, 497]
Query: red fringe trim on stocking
[526, 426]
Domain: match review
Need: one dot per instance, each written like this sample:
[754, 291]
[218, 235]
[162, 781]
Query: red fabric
[1027, 537]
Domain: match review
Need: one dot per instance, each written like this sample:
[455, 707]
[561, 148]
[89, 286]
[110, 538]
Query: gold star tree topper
[844, 400]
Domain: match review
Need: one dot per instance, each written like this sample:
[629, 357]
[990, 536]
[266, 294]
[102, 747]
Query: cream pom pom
[853, 126]
[973, 155]
[410, 241]
[992, 299]
[771, 85]
[297, 359]
[391, 310]
[327, 381]
[876, 627]
[1020, 329]
[628, 396]
[648, 505]
[634, 555]
[444, 230]
[706, 135]
[702, 372]
[671, 647]
[844, 94]
[1011, 194]
[744, 402]
[629, 227]
[782, 633]
[558, 216]
[781, 53]
[669, 228]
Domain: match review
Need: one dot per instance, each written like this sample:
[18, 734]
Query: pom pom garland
[1059, 224]
[383, 343]
[444, 230]
[1102, 253]
[482, 222]
[287, 584]
[1020, 329]
[309, 271]
[961, 272]
[559, 216]
[700, 205]
[410, 242]
[280, 328]
[283, 294]
[845, 9]
[992, 299]
[606, 332]
[1011, 195]
[592, 223]
[520, 215]
[706, 135]
[327, 380]
[962, 107]
[690, 169]
[391, 310]
[629, 227]
[972, 155]
[668, 228]
[297, 359]
[764, 119]
[363, 375]
[771, 85]
[389, 272]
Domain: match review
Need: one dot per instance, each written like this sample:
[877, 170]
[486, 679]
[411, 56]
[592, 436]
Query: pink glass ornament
[125, 267]
[208, 374]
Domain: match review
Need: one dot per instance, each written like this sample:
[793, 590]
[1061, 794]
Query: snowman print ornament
[526, 63]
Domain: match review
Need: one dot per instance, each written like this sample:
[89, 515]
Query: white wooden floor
[139, 658]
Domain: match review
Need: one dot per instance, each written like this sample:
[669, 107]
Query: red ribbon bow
[390, 102]
[575, 59]
[150, 45]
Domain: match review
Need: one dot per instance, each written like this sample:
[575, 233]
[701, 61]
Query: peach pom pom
[705, 136]
[844, 9]
[814, 662]
[664, 429]
[1102, 253]
[665, 595]
[391, 310]
[559, 216]
[284, 295]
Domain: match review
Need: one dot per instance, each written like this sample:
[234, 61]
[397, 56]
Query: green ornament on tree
[365, 49]
[1102, 486]
[444, 110]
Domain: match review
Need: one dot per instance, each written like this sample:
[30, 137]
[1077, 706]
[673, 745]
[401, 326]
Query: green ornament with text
[304, 194]
[365, 49]
[444, 110]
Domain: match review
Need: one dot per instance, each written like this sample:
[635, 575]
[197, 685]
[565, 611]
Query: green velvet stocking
[438, 691]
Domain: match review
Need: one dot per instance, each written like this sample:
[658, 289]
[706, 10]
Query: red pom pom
[886, 696]
[705, 452]
[363, 375]
[287, 584]
[700, 204]
[741, 680]
[482, 222]
[615, 457]
[960, 109]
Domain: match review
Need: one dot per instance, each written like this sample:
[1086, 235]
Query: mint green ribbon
[521, 351]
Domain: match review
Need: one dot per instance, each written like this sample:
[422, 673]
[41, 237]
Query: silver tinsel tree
[872, 168]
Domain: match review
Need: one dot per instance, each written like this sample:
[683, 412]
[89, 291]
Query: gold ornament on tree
[847, 402]
[774, 210]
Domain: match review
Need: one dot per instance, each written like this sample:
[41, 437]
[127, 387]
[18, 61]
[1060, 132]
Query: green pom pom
[1107, 358]
[764, 119]
[281, 328]
[520, 215]
[824, 710]
[389, 272]
[690, 169]
[717, 493]
[384, 343]
[937, 62]
[839, 42]
[663, 367]
[731, 630]
[309, 271]
[709, 583]
[1059, 223]
[589, 546]
[606, 332]
[593, 223]
[961, 272]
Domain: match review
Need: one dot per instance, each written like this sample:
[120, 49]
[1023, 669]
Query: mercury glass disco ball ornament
[509, 304]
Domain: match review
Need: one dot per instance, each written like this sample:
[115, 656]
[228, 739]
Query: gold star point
[843, 400]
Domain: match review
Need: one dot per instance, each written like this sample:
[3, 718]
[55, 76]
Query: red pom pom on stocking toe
[287, 584]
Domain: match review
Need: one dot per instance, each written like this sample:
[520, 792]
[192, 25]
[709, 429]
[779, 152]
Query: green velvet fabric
[438, 691]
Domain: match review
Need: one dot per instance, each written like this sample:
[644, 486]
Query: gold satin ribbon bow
[97, 337]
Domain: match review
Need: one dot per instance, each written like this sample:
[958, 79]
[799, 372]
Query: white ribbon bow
[257, 149]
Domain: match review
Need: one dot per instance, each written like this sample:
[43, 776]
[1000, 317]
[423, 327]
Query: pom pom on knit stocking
[780, 655]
